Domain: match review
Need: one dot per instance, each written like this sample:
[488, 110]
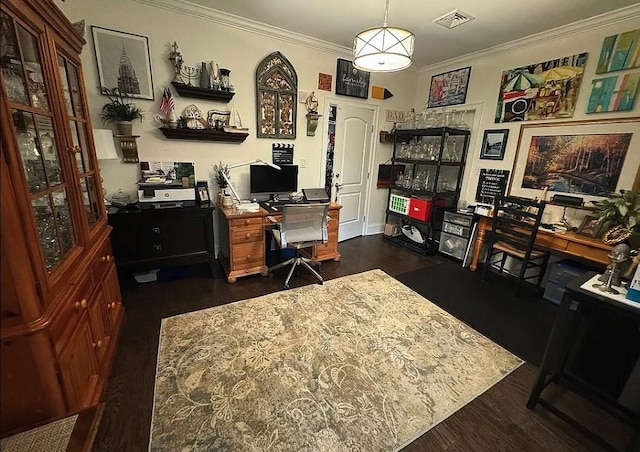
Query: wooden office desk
[242, 240]
[568, 243]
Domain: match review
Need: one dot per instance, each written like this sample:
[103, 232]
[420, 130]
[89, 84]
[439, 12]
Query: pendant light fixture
[383, 49]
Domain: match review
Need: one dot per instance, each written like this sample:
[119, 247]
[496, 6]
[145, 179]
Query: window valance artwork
[276, 92]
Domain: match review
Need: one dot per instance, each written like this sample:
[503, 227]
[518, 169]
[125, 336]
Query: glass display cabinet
[61, 304]
[427, 168]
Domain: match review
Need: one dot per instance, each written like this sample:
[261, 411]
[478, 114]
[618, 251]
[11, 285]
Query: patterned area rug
[361, 363]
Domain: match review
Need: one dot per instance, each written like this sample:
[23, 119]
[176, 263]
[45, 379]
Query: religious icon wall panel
[276, 95]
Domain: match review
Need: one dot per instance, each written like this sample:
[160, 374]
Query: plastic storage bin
[562, 273]
[399, 204]
[458, 218]
[420, 209]
[453, 245]
[456, 229]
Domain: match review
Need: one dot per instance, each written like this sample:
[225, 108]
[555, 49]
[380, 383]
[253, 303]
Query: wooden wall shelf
[203, 135]
[202, 93]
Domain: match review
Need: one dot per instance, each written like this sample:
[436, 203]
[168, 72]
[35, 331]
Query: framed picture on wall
[493, 144]
[351, 81]
[581, 158]
[619, 52]
[449, 88]
[123, 62]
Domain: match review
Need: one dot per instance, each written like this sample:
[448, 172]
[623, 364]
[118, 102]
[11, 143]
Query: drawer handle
[156, 230]
[106, 258]
[98, 344]
[82, 304]
[248, 257]
[247, 236]
[247, 221]
[157, 247]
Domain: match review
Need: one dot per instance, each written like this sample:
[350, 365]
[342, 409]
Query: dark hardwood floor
[497, 420]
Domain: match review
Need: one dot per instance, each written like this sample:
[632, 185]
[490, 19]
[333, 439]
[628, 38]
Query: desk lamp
[245, 205]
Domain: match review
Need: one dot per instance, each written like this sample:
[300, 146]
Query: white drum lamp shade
[383, 49]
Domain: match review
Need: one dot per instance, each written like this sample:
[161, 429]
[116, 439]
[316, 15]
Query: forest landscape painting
[588, 164]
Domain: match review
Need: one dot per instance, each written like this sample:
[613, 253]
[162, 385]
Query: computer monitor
[267, 180]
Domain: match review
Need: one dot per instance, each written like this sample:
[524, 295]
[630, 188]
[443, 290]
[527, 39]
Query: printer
[162, 194]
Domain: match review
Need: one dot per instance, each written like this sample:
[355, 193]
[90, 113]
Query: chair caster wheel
[286, 286]
[270, 275]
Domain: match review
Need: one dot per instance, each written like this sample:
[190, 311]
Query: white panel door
[354, 132]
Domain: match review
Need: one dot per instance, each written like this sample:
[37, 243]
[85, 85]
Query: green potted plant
[622, 209]
[120, 110]
[218, 171]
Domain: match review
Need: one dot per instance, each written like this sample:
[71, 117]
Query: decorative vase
[227, 201]
[125, 128]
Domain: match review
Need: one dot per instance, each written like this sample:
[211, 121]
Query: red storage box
[420, 209]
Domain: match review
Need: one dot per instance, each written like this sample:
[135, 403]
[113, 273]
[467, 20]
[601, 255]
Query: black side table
[564, 337]
[146, 239]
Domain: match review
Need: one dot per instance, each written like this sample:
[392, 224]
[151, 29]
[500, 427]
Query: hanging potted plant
[623, 211]
[120, 110]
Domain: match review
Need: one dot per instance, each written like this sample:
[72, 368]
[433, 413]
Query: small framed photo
[123, 62]
[591, 226]
[202, 192]
[494, 144]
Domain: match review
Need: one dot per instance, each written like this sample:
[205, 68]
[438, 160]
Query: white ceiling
[497, 21]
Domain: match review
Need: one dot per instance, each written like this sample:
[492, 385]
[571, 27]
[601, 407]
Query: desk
[556, 356]
[242, 240]
[568, 243]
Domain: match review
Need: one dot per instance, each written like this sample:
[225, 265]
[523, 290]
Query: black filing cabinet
[145, 239]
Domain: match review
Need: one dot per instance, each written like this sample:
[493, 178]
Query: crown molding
[593, 23]
[248, 25]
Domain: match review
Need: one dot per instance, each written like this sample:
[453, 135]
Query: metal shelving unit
[433, 161]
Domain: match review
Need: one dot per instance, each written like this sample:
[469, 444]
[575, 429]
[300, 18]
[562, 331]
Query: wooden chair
[302, 226]
[513, 233]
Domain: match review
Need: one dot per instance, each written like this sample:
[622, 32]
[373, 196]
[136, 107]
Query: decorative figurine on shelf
[224, 76]
[618, 255]
[176, 59]
[191, 72]
[194, 117]
[311, 102]
[214, 76]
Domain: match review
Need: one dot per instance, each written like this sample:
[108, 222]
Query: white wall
[486, 71]
[201, 37]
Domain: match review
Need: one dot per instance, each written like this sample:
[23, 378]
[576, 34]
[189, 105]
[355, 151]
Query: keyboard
[276, 206]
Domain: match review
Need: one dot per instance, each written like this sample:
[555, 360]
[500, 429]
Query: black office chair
[513, 234]
[302, 226]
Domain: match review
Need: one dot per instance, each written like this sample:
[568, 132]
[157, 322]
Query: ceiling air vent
[454, 18]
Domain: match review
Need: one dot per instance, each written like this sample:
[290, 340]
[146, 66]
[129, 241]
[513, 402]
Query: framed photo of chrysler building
[123, 62]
